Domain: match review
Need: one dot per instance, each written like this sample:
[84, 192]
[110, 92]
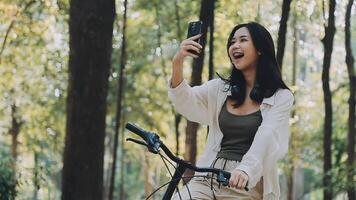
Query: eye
[243, 40]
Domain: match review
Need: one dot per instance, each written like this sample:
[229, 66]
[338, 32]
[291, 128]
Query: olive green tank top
[239, 132]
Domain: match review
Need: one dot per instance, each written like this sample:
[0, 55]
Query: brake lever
[222, 179]
[154, 143]
[137, 141]
[225, 181]
[154, 149]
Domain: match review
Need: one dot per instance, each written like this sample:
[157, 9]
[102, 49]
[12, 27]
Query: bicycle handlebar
[152, 139]
[137, 130]
[153, 143]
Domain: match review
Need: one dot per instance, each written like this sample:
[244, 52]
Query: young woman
[247, 114]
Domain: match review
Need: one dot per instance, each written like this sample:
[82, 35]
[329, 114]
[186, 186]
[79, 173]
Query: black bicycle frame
[177, 176]
[153, 143]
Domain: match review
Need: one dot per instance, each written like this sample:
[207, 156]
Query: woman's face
[242, 52]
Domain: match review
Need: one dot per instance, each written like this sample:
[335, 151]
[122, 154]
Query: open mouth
[237, 55]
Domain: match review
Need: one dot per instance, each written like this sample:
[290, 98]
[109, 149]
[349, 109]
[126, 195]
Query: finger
[192, 42]
[237, 184]
[191, 47]
[192, 55]
[242, 182]
[195, 37]
[241, 179]
[236, 181]
[232, 179]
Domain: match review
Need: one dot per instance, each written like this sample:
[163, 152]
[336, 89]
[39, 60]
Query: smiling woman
[242, 51]
[247, 114]
[254, 66]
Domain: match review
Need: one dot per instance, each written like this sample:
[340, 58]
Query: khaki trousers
[206, 188]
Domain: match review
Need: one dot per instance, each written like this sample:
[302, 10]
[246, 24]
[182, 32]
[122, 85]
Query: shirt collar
[267, 100]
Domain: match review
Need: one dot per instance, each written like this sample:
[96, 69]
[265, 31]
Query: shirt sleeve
[191, 102]
[266, 144]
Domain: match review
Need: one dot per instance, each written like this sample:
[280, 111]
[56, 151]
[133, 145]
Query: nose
[236, 45]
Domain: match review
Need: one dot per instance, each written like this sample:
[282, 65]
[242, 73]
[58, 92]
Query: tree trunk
[303, 62]
[177, 116]
[14, 132]
[258, 15]
[122, 161]
[36, 178]
[207, 8]
[293, 138]
[159, 36]
[352, 102]
[328, 48]
[179, 29]
[118, 103]
[281, 43]
[90, 42]
[147, 173]
[177, 120]
[107, 171]
[211, 44]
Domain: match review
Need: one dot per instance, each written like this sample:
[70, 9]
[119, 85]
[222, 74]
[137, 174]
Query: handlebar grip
[136, 130]
[151, 139]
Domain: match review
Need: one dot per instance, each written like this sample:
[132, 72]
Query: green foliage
[7, 177]
[34, 78]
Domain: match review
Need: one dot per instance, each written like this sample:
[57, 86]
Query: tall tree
[147, 166]
[211, 44]
[90, 43]
[16, 124]
[177, 116]
[36, 178]
[281, 42]
[352, 101]
[119, 102]
[293, 138]
[328, 48]
[14, 131]
[177, 16]
[122, 160]
[206, 10]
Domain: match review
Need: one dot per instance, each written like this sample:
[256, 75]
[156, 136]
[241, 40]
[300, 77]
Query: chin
[239, 66]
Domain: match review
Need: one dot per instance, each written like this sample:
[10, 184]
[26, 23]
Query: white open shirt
[202, 104]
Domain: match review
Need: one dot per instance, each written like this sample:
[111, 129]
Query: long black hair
[268, 74]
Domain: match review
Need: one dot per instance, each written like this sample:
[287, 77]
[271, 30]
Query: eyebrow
[242, 36]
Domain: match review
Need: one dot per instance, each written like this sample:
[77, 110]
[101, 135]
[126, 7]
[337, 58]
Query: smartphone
[195, 28]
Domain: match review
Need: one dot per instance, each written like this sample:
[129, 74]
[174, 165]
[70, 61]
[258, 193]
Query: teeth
[238, 55]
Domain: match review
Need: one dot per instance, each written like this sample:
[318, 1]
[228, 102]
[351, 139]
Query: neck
[250, 77]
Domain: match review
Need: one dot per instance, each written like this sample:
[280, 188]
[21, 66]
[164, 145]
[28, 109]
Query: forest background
[74, 72]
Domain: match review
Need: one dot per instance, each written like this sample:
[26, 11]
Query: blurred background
[74, 72]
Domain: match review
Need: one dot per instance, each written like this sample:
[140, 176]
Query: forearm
[177, 72]
[177, 62]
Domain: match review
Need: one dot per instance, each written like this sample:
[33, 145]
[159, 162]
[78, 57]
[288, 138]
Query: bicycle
[154, 144]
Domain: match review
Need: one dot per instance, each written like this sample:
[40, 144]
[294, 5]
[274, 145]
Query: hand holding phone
[189, 47]
[192, 45]
[195, 28]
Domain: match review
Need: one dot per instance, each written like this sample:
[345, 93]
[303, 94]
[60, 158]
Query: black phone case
[195, 28]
